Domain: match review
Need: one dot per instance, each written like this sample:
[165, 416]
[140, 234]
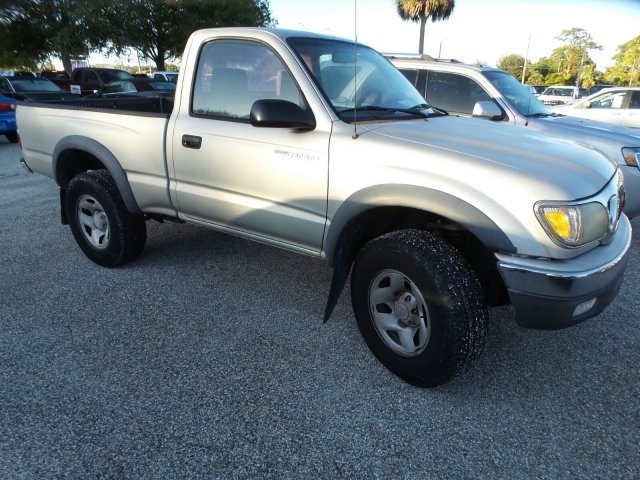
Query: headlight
[578, 223]
[631, 156]
[573, 225]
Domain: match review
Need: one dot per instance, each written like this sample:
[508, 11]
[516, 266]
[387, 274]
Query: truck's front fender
[409, 196]
[63, 169]
[347, 230]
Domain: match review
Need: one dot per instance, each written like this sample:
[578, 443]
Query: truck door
[266, 183]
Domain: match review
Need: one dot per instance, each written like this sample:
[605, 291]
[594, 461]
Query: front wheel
[101, 224]
[418, 306]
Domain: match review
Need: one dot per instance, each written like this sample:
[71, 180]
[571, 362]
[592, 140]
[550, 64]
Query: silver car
[619, 105]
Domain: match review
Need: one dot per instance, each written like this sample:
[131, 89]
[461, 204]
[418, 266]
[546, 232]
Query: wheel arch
[76, 154]
[427, 204]
[377, 210]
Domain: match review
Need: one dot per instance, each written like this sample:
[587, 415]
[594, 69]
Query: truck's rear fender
[76, 154]
[377, 210]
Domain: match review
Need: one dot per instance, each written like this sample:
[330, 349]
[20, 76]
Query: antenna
[355, 69]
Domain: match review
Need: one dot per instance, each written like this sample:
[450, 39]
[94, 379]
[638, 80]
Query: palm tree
[421, 10]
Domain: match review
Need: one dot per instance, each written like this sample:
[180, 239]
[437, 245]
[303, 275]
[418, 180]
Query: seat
[335, 80]
[230, 92]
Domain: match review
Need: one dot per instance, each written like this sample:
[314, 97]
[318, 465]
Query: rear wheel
[419, 306]
[101, 224]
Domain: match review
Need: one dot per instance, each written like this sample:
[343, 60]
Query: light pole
[584, 51]
[524, 67]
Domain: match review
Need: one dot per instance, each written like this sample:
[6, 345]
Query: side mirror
[281, 114]
[487, 109]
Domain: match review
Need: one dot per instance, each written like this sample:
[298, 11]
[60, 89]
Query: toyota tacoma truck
[318, 145]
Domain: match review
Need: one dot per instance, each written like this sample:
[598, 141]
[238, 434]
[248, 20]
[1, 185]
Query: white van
[561, 95]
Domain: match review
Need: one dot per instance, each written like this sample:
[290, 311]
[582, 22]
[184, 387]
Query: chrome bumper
[553, 294]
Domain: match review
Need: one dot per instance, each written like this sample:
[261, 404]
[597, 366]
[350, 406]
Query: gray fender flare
[421, 198]
[102, 153]
[339, 255]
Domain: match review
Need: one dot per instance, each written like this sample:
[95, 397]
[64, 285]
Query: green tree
[159, 29]
[34, 30]
[543, 67]
[22, 40]
[626, 70]
[535, 77]
[422, 10]
[571, 58]
[513, 64]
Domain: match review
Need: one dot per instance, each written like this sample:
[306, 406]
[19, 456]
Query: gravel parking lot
[207, 358]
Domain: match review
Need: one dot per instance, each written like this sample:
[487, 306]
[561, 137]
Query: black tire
[419, 307]
[104, 229]
[12, 137]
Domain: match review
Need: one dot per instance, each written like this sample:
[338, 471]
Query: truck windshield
[114, 75]
[517, 94]
[358, 82]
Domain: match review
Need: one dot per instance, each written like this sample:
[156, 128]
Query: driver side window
[609, 100]
[233, 74]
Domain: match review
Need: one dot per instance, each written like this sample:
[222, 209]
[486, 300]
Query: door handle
[191, 141]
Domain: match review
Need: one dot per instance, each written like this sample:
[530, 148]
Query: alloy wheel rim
[93, 221]
[399, 313]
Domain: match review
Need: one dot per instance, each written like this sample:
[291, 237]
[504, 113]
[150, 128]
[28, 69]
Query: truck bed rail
[124, 104]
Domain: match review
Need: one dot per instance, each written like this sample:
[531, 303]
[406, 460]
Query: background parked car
[31, 88]
[141, 87]
[537, 89]
[87, 80]
[490, 93]
[8, 118]
[167, 76]
[561, 95]
[619, 105]
[600, 86]
[59, 77]
[16, 73]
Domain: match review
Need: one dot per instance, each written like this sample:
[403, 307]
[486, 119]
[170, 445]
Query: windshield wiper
[544, 115]
[440, 111]
[417, 110]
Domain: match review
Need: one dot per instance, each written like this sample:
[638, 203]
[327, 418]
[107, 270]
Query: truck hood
[523, 152]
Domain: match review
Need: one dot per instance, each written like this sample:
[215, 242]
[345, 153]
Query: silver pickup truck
[320, 146]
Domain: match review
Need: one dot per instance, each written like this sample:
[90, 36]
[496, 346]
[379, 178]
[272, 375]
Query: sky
[477, 30]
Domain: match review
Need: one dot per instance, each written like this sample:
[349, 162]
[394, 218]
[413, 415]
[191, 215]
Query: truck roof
[263, 32]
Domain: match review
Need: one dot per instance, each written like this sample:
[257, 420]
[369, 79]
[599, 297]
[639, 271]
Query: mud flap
[63, 211]
[339, 278]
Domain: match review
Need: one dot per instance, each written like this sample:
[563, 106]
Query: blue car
[8, 118]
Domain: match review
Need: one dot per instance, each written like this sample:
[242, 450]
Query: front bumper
[552, 294]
